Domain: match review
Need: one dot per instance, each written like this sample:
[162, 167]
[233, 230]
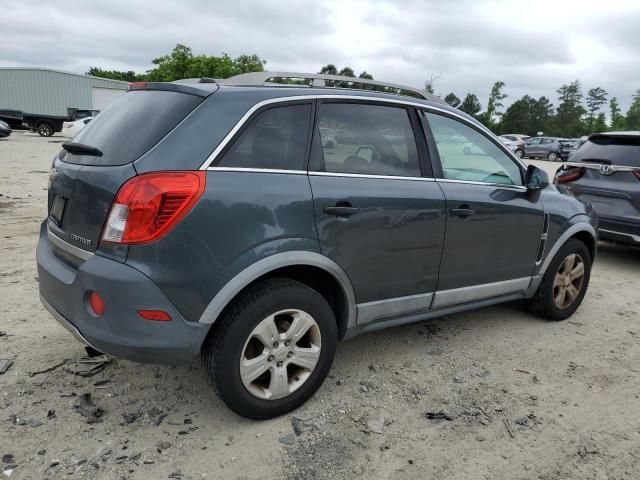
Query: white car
[71, 129]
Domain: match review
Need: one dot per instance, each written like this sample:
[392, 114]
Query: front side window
[468, 155]
[365, 139]
[275, 139]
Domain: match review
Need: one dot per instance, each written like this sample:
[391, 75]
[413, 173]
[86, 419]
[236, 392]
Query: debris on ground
[586, 446]
[5, 365]
[440, 415]
[48, 369]
[296, 423]
[88, 367]
[288, 439]
[507, 423]
[131, 417]
[88, 409]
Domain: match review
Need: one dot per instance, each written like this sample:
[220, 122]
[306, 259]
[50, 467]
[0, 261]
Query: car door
[494, 225]
[533, 147]
[379, 213]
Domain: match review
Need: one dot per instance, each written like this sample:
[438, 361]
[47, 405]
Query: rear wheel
[564, 284]
[552, 157]
[273, 348]
[519, 153]
[45, 130]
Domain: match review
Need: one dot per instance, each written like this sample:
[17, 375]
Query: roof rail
[320, 79]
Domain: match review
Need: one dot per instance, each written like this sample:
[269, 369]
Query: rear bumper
[120, 331]
[618, 231]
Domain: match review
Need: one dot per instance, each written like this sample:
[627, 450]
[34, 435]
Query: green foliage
[596, 97]
[617, 120]
[570, 111]
[329, 69]
[527, 115]
[633, 115]
[453, 100]
[600, 123]
[471, 104]
[492, 115]
[129, 76]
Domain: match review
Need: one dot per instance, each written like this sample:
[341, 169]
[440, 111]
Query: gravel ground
[489, 394]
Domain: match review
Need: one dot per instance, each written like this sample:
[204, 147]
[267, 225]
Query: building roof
[53, 70]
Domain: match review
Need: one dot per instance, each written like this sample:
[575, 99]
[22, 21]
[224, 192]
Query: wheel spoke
[306, 357]
[557, 280]
[253, 368]
[577, 271]
[572, 292]
[279, 384]
[267, 332]
[569, 262]
[560, 296]
[301, 324]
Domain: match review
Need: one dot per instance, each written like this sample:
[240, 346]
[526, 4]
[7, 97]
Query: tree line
[575, 115]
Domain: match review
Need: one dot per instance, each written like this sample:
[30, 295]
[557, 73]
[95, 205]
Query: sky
[466, 45]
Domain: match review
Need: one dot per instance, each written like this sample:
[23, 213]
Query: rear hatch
[87, 174]
[608, 171]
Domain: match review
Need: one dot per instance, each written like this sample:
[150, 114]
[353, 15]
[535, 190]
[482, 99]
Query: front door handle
[341, 210]
[462, 212]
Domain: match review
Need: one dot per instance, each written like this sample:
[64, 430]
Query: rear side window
[132, 125]
[275, 139]
[365, 139]
[613, 151]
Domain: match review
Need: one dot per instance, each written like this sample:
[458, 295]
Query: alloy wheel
[568, 281]
[553, 156]
[280, 354]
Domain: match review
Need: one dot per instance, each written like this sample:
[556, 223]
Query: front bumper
[120, 331]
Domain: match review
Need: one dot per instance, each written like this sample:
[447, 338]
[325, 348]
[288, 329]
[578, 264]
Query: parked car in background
[14, 119]
[5, 129]
[519, 141]
[605, 172]
[71, 129]
[236, 236]
[513, 145]
[551, 148]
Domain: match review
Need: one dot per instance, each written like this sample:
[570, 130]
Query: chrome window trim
[257, 170]
[392, 101]
[67, 247]
[314, 173]
[520, 188]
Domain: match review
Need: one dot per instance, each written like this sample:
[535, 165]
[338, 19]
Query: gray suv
[210, 220]
[553, 149]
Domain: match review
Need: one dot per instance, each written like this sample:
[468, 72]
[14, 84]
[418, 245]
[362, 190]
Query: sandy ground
[524, 398]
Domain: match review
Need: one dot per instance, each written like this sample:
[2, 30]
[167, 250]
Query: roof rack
[320, 79]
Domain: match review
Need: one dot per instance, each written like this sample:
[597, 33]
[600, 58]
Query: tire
[552, 157]
[227, 346]
[519, 153]
[45, 130]
[330, 144]
[543, 303]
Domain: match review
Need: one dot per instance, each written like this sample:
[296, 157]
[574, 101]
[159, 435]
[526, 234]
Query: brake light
[569, 175]
[156, 315]
[148, 206]
[637, 173]
[96, 303]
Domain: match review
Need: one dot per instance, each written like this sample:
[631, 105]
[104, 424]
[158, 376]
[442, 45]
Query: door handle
[462, 212]
[341, 210]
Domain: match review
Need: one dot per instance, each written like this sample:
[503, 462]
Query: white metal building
[52, 92]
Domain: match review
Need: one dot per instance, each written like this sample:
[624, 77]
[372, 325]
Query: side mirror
[536, 178]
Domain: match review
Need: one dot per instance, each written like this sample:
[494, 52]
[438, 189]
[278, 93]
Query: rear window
[614, 151]
[133, 124]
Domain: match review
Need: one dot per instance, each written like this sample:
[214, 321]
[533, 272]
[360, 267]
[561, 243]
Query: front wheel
[45, 130]
[273, 348]
[519, 153]
[553, 157]
[564, 284]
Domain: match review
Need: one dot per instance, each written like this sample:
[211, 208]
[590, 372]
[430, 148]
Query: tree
[365, 75]
[568, 122]
[527, 115]
[617, 119]
[633, 115]
[452, 99]
[495, 102]
[347, 72]
[428, 85]
[329, 69]
[471, 105]
[596, 97]
[129, 76]
[600, 123]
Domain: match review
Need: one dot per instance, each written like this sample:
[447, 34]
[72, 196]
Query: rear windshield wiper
[81, 149]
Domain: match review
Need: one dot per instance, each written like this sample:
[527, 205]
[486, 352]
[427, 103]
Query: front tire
[45, 130]
[519, 153]
[564, 284]
[272, 349]
[552, 157]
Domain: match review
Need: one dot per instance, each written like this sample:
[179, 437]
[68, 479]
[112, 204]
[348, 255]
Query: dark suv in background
[210, 219]
[553, 149]
[605, 172]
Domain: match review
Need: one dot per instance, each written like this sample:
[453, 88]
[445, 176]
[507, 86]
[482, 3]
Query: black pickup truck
[45, 125]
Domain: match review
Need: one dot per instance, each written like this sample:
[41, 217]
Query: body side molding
[393, 307]
[271, 263]
[457, 296]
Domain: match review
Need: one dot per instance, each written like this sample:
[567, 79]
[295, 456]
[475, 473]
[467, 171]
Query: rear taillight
[150, 205]
[568, 175]
[637, 173]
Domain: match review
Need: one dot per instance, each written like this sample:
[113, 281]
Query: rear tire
[552, 157]
[519, 153]
[549, 301]
[227, 356]
[45, 130]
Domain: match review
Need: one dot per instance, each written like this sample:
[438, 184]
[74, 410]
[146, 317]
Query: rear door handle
[462, 212]
[341, 211]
